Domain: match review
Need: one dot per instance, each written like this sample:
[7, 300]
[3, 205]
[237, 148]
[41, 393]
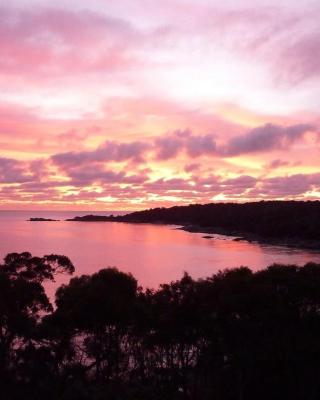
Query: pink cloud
[59, 42]
[300, 60]
[136, 101]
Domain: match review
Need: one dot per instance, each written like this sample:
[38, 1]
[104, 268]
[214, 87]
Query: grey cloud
[265, 138]
[84, 175]
[13, 171]
[243, 181]
[167, 147]
[288, 186]
[108, 151]
[184, 140]
[261, 139]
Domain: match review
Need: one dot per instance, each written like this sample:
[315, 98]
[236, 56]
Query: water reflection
[152, 253]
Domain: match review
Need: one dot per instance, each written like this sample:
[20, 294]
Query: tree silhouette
[235, 335]
[98, 310]
[22, 304]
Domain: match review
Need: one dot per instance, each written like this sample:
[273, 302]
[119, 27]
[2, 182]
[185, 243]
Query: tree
[23, 302]
[98, 310]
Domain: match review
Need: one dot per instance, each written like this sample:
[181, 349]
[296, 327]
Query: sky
[135, 104]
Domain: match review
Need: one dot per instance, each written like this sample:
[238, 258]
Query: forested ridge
[264, 219]
[235, 335]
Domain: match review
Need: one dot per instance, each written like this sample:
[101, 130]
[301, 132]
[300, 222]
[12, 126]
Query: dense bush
[236, 335]
[270, 219]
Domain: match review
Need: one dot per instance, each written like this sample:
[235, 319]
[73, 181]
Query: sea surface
[154, 254]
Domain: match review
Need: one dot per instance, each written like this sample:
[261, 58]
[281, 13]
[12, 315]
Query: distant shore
[37, 219]
[235, 234]
[294, 224]
[254, 238]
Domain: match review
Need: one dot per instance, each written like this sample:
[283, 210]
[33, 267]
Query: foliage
[235, 335]
[286, 220]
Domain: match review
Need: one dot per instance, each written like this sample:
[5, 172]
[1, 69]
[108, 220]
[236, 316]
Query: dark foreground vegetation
[293, 223]
[236, 335]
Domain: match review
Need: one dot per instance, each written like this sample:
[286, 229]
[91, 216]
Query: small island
[94, 218]
[284, 223]
[37, 219]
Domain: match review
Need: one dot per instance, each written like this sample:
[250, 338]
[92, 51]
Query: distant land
[37, 219]
[288, 223]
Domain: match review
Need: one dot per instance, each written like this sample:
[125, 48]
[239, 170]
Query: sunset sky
[128, 104]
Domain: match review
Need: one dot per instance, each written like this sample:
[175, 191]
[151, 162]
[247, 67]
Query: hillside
[293, 222]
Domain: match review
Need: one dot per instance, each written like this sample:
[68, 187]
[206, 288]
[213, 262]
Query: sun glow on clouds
[145, 103]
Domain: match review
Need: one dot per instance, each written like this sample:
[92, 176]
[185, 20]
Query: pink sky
[133, 104]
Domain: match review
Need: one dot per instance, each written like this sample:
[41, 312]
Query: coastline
[238, 235]
[252, 237]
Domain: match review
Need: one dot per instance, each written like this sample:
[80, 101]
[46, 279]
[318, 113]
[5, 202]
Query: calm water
[153, 254]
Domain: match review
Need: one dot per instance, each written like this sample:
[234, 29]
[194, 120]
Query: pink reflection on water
[152, 253]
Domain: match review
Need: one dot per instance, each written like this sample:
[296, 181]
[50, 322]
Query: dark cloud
[108, 151]
[287, 186]
[127, 185]
[84, 171]
[240, 182]
[13, 171]
[167, 147]
[184, 140]
[199, 145]
[97, 174]
[261, 139]
[84, 176]
[265, 138]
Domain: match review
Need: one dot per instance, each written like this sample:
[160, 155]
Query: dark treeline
[268, 219]
[236, 335]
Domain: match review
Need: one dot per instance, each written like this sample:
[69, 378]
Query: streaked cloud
[152, 103]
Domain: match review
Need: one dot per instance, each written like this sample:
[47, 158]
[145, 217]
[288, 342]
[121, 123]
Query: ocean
[154, 254]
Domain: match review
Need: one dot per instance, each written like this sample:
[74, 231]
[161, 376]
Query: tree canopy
[236, 335]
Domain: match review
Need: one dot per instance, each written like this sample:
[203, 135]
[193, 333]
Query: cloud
[265, 138]
[290, 186]
[240, 182]
[199, 145]
[172, 144]
[50, 39]
[300, 60]
[191, 167]
[136, 171]
[165, 148]
[94, 182]
[13, 171]
[274, 164]
[286, 40]
[108, 151]
[97, 174]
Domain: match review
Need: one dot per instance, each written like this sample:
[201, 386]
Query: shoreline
[297, 243]
[237, 235]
